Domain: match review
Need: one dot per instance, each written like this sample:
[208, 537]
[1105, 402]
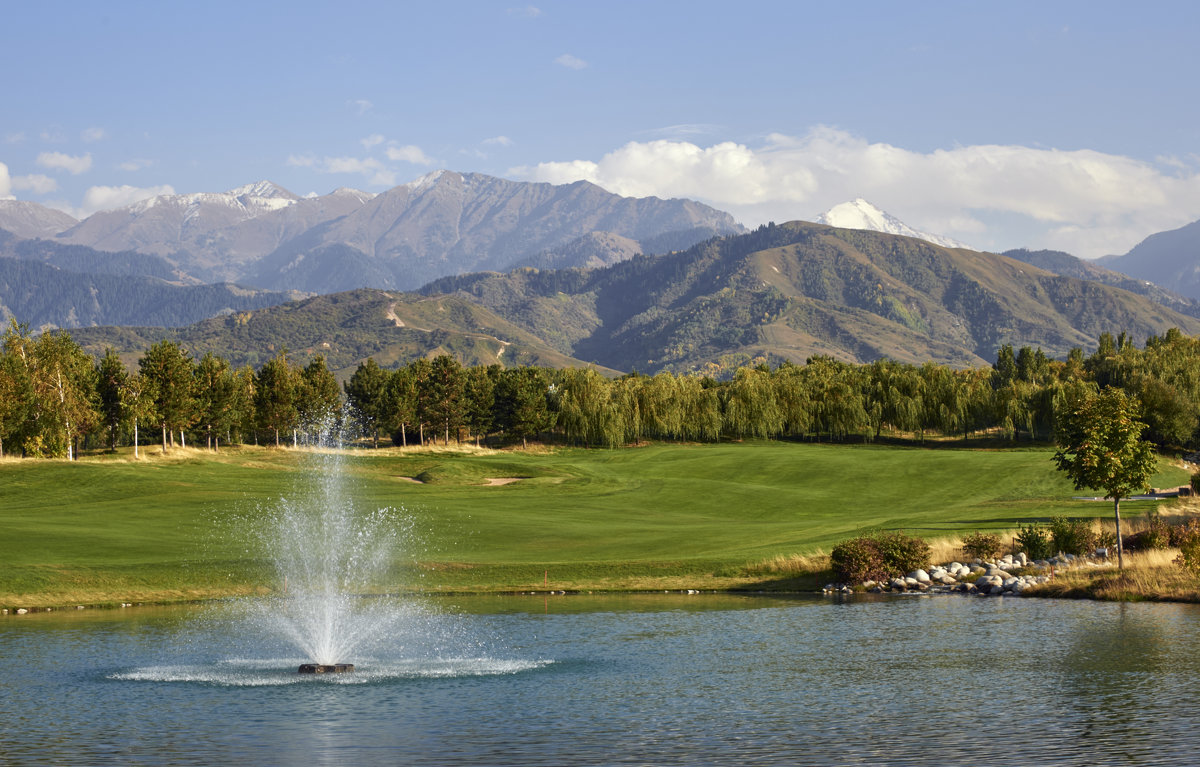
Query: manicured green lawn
[105, 529]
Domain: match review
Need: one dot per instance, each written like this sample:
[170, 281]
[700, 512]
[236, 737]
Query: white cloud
[410, 154]
[36, 183]
[60, 161]
[1082, 201]
[529, 12]
[99, 198]
[135, 164]
[371, 141]
[14, 138]
[92, 135]
[571, 62]
[301, 160]
[497, 141]
[362, 106]
[5, 183]
[365, 165]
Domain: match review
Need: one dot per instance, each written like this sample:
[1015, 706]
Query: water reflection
[633, 680]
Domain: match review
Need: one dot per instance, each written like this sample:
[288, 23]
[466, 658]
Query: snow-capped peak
[425, 181]
[345, 191]
[860, 214]
[262, 189]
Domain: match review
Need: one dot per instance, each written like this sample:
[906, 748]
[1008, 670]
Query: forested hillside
[346, 328]
[787, 292]
[43, 296]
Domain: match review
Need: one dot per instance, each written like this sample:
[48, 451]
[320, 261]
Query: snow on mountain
[29, 219]
[860, 214]
[262, 189]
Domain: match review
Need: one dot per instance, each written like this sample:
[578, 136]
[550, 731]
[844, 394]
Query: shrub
[902, 553]
[1071, 536]
[1195, 482]
[1034, 540]
[982, 546]
[857, 560]
[878, 556]
[1157, 534]
[1180, 533]
[1189, 547]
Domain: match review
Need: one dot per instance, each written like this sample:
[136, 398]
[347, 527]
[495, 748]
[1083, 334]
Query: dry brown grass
[1147, 576]
[789, 565]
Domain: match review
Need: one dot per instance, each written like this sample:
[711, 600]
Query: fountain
[328, 557]
[330, 618]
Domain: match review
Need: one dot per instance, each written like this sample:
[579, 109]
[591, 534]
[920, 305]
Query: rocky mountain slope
[798, 289]
[1170, 259]
[1058, 262]
[28, 219]
[443, 223]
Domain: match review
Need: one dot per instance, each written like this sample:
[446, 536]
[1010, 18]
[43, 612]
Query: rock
[946, 580]
[21, 611]
[1023, 559]
[920, 576]
[910, 582]
[898, 583]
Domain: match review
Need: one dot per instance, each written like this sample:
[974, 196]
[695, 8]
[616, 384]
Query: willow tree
[1101, 448]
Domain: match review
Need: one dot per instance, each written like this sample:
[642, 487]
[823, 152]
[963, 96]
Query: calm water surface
[666, 680]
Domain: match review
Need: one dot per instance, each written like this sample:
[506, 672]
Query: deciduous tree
[1101, 447]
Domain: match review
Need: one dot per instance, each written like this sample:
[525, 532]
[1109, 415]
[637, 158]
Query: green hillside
[346, 328]
[798, 289]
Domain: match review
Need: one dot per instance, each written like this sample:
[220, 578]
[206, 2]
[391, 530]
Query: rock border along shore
[992, 577]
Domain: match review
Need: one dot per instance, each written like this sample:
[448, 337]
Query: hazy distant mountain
[44, 296]
[451, 223]
[443, 223]
[28, 219]
[1058, 262]
[79, 258]
[213, 236]
[1170, 259]
[799, 289]
[860, 214]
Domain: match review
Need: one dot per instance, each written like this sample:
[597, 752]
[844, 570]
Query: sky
[1065, 125]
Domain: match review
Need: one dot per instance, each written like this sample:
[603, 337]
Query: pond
[638, 679]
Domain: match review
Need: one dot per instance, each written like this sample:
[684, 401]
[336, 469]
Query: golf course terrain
[109, 529]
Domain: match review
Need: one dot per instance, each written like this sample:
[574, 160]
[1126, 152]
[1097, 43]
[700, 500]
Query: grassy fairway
[663, 516]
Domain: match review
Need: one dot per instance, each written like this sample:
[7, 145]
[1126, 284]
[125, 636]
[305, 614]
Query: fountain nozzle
[325, 668]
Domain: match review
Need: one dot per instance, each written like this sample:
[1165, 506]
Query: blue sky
[1069, 124]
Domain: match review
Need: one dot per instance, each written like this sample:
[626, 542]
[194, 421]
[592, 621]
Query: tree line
[55, 397]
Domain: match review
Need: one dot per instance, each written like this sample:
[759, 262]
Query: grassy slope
[105, 530]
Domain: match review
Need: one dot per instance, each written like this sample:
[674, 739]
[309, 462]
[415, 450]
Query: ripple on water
[247, 672]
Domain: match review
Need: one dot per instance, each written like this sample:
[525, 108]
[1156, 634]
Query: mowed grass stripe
[178, 525]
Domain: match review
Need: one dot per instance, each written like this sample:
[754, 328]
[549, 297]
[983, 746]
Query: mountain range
[1170, 259]
[443, 223]
[781, 292]
[543, 272]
